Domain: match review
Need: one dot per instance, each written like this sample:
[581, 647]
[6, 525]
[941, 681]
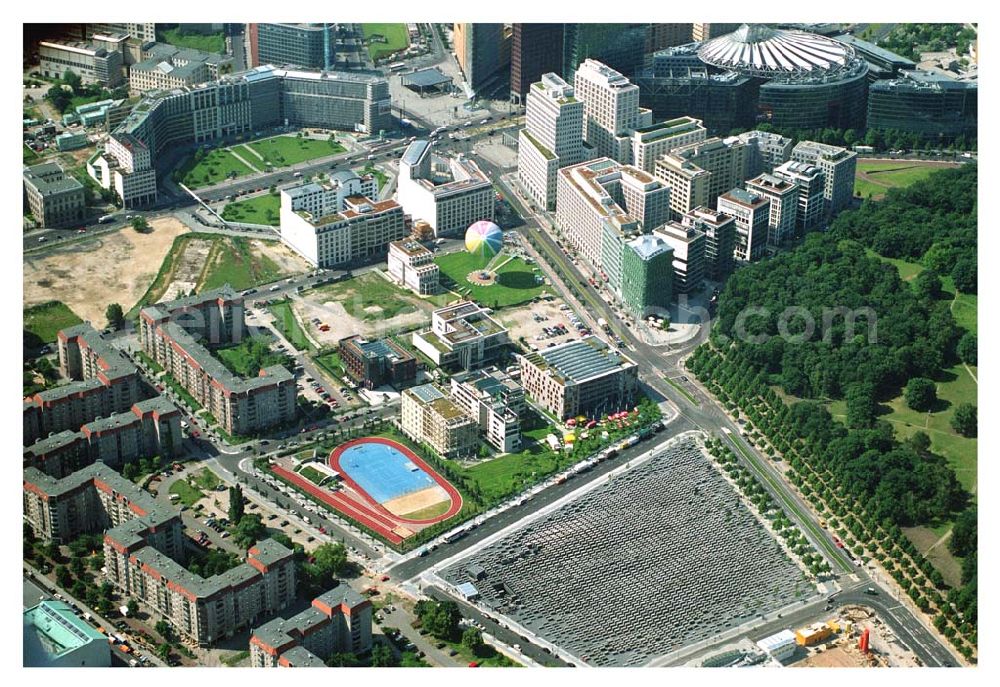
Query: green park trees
[920, 394]
[965, 421]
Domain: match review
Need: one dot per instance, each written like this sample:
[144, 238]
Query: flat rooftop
[580, 360]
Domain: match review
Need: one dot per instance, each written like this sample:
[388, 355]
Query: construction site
[661, 556]
[853, 638]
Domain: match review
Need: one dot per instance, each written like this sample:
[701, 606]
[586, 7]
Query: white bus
[397, 66]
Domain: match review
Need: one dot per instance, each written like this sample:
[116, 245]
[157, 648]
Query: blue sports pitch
[383, 471]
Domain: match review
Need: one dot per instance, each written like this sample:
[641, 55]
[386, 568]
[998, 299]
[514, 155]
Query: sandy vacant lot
[834, 657]
[288, 260]
[520, 322]
[114, 268]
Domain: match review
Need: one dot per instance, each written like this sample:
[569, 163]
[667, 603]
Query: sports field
[383, 471]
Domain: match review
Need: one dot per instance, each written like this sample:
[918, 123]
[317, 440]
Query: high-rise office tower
[611, 110]
[478, 50]
[535, 49]
[552, 137]
[667, 36]
[303, 45]
[620, 46]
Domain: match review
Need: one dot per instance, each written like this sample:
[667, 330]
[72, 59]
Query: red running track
[456, 498]
[349, 507]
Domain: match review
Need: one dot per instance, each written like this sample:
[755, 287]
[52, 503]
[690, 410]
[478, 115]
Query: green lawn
[210, 42]
[368, 297]
[260, 210]
[231, 261]
[282, 151]
[511, 473]
[396, 35]
[43, 321]
[189, 495]
[285, 322]
[515, 280]
[312, 474]
[331, 363]
[380, 176]
[28, 156]
[216, 166]
[889, 174]
[206, 479]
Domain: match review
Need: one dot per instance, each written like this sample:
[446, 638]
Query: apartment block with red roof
[339, 621]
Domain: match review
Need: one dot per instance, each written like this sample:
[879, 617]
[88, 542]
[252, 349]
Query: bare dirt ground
[288, 260]
[520, 322]
[834, 657]
[416, 501]
[343, 324]
[188, 268]
[114, 268]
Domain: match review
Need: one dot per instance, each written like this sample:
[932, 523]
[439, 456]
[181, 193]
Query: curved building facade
[837, 101]
[807, 81]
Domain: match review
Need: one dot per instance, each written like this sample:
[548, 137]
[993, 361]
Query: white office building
[611, 110]
[462, 335]
[810, 184]
[412, 266]
[603, 192]
[699, 173]
[652, 142]
[752, 214]
[495, 402]
[552, 137]
[688, 245]
[337, 221]
[765, 151]
[838, 166]
[449, 194]
[784, 197]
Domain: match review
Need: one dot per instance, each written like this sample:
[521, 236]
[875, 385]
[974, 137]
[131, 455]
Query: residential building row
[144, 554]
[149, 428]
[450, 194]
[340, 220]
[171, 334]
[338, 621]
[104, 382]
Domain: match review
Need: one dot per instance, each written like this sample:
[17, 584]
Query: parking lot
[543, 324]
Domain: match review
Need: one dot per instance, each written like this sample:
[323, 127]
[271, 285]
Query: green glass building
[647, 275]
